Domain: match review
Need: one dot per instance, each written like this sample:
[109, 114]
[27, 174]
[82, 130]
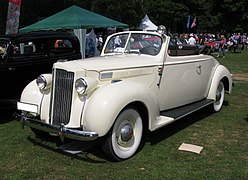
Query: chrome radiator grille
[61, 97]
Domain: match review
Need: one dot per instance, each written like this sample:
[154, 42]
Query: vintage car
[24, 56]
[179, 47]
[126, 90]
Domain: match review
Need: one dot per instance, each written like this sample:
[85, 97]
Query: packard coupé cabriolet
[137, 83]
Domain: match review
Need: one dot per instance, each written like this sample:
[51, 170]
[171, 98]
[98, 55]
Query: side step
[182, 111]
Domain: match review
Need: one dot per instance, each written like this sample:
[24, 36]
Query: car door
[181, 82]
[206, 69]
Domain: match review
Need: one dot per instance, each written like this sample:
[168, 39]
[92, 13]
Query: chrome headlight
[85, 85]
[161, 29]
[41, 82]
[81, 86]
[44, 81]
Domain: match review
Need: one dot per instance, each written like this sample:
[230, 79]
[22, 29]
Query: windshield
[139, 43]
[3, 48]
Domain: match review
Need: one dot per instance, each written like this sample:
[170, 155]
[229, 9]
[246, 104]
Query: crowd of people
[221, 43]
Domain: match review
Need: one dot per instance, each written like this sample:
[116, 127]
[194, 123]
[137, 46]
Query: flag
[188, 22]
[193, 23]
[12, 22]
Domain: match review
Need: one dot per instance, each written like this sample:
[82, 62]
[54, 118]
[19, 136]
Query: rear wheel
[125, 136]
[219, 99]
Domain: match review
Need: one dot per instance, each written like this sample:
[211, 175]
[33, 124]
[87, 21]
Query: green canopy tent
[77, 19]
[73, 17]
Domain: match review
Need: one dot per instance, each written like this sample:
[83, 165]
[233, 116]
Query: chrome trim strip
[82, 112]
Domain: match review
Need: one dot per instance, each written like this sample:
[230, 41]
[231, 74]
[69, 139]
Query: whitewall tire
[125, 136]
[219, 99]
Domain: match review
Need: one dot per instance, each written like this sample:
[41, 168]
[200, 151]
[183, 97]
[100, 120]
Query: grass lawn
[223, 136]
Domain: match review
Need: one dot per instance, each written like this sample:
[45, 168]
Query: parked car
[128, 89]
[179, 47]
[24, 56]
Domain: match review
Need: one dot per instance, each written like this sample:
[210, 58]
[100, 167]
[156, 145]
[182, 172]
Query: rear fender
[221, 74]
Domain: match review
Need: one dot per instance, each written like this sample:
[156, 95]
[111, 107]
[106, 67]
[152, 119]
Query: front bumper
[58, 130]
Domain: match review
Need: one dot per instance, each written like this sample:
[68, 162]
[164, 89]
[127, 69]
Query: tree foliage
[212, 15]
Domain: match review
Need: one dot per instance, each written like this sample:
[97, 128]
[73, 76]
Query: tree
[3, 15]
[212, 15]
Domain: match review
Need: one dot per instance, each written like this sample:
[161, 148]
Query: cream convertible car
[136, 83]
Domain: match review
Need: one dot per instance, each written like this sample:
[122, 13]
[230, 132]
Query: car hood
[115, 62]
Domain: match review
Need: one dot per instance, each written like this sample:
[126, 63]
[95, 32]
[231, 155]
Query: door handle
[198, 69]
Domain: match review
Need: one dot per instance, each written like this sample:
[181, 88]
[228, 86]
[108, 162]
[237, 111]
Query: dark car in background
[179, 47]
[25, 56]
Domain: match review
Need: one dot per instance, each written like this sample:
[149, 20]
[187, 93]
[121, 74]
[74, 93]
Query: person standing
[191, 40]
[222, 48]
[243, 41]
[202, 39]
[235, 42]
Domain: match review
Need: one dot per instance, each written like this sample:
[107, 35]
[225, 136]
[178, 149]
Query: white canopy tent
[147, 25]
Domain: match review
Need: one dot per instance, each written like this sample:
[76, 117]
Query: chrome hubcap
[218, 93]
[126, 132]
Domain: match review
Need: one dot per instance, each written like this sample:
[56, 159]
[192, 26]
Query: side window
[57, 47]
[3, 48]
[30, 49]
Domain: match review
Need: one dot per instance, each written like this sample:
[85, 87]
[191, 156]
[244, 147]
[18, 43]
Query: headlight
[161, 29]
[44, 81]
[81, 86]
[41, 82]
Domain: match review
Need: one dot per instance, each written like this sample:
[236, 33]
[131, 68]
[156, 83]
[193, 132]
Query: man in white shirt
[191, 40]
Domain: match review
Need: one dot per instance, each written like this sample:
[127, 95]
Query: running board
[169, 116]
[178, 113]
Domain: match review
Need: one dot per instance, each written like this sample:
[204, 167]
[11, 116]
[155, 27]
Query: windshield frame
[149, 44]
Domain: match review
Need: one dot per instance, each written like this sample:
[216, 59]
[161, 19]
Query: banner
[12, 22]
[188, 22]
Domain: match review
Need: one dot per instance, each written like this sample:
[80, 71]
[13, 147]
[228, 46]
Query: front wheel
[125, 136]
[219, 99]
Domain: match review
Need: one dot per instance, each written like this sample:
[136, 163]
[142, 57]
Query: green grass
[236, 62]
[223, 136]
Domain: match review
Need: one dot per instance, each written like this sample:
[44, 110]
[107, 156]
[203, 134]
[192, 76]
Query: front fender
[221, 74]
[31, 94]
[106, 103]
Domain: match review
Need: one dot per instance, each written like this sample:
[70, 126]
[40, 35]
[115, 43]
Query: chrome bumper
[57, 130]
